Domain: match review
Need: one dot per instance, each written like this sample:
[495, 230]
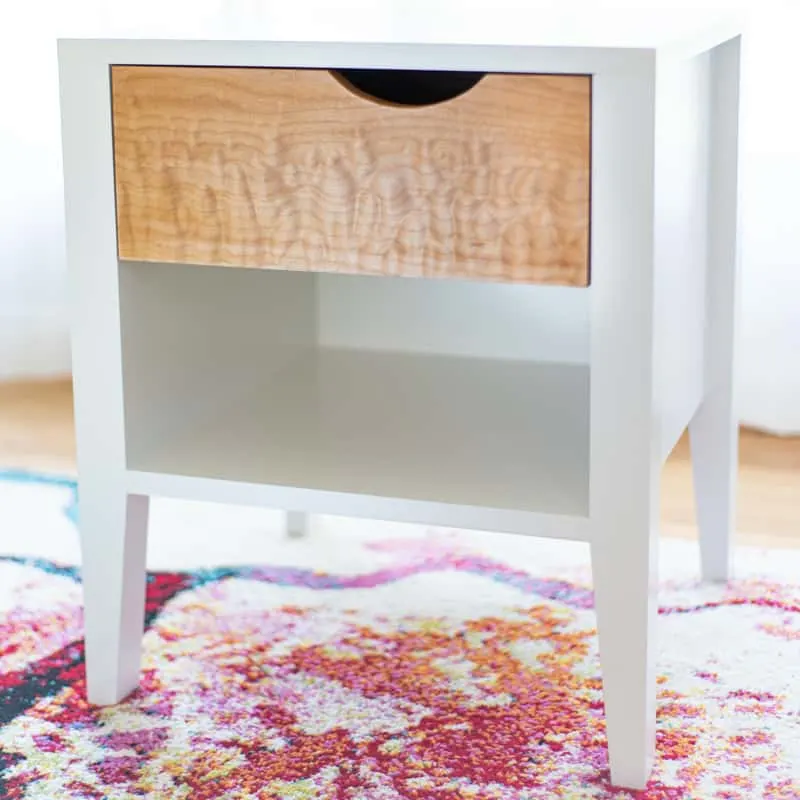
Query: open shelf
[450, 403]
[456, 430]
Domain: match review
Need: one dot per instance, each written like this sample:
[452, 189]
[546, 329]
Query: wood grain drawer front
[289, 169]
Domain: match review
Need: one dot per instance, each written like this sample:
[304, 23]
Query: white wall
[33, 324]
[769, 358]
[34, 339]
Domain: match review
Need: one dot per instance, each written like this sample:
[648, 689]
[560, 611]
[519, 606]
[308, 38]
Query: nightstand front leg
[624, 567]
[625, 458]
[113, 524]
[113, 528]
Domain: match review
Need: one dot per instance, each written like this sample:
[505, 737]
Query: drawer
[306, 169]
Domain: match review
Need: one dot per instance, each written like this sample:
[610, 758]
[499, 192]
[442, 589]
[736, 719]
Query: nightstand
[483, 283]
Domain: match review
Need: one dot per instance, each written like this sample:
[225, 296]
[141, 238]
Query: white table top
[643, 24]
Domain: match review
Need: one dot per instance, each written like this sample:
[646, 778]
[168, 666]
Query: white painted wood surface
[458, 318]
[364, 506]
[298, 524]
[550, 449]
[113, 557]
[713, 430]
[681, 224]
[113, 525]
[625, 458]
[457, 431]
[195, 339]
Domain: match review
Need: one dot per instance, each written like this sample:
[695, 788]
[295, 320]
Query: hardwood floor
[768, 509]
[36, 430]
[36, 433]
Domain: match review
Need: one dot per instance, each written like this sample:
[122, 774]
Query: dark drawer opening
[407, 87]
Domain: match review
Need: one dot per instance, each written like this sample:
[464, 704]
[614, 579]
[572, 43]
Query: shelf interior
[448, 429]
[227, 377]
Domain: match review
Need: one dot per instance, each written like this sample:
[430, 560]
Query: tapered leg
[297, 524]
[713, 435]
[713, 431]
[113, 529]
[624, 447]
[624, 570]
[112, 525]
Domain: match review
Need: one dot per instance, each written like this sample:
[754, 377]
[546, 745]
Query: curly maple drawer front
[290, 169]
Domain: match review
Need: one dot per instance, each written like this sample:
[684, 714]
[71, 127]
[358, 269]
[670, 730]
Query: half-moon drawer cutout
[407, 87]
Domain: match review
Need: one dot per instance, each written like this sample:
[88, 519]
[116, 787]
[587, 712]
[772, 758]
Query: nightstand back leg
[713, 430]
[713, 435]
[298, 524]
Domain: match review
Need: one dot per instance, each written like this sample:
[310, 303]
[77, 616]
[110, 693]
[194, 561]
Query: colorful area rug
[377, 662]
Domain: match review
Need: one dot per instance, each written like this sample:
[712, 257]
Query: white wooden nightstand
[493, 300]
